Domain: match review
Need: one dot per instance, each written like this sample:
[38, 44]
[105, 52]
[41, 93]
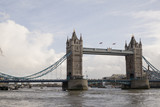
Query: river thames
[94, 97]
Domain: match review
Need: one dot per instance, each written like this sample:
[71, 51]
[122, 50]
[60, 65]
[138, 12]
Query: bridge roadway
[36, 80]
[113, 81]
[108, 51]
[64, 80]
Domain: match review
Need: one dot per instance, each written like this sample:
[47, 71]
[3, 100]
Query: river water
[94, 97]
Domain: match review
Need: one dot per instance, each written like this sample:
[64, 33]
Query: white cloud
[25, 52]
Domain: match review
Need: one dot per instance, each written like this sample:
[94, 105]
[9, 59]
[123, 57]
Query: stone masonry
[134, 62]
[74, 61]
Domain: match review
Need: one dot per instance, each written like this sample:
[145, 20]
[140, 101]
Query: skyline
[33, 34]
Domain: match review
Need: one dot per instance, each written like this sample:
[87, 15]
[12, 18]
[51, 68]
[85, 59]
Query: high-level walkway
[108, 51]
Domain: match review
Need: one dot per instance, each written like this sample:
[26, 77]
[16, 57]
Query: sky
[33, 33]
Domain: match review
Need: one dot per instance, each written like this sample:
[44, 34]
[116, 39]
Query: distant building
[116, 76]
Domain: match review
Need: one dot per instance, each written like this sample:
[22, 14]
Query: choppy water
[95, 97]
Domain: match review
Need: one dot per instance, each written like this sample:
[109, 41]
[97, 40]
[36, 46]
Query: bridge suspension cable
[40, 73]
[155, 73]
[50, 68]
[150, 65]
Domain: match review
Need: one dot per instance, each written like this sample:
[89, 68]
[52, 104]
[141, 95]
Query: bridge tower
[74, 64]
[134, 62]
[74, 61]
[134, 69]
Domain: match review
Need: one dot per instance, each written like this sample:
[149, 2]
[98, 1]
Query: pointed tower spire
[80, 36]
[125, 44]
[133, 42]
[132, 39]
[74, 36]
[140, 43]
[67, 40]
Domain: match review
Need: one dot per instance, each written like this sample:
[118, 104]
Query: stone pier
[140, 84]
[77, 84]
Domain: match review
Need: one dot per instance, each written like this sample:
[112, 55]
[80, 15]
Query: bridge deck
[36, 80]
[60, 80]
[64, 80]
[109, 51]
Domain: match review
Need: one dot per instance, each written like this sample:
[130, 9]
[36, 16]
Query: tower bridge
[136, 74]
[132, 53]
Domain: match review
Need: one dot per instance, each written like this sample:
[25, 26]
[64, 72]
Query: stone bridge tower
[75, 79]
[134, 69]
[134, 62]
[74, 61]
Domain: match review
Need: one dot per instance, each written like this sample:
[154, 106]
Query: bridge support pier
[75, 84]
[78, 84]
[138, 84]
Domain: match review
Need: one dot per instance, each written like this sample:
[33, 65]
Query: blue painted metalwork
[34, 80]
[154, 73]
[64, 80]
[113, 81]
[38, 74]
